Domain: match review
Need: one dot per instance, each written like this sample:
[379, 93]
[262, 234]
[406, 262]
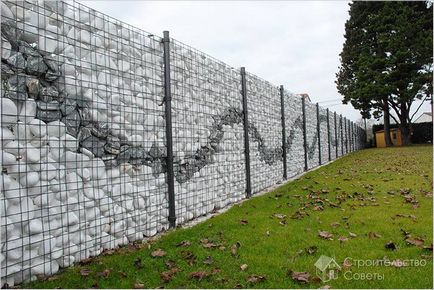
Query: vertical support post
[303, 107]
[366, 138]
[336, 137]
[328, 135]
[169, 140]
[318, 131]
[342, 134]
[246, 132]
[282, 109]
[346, 135]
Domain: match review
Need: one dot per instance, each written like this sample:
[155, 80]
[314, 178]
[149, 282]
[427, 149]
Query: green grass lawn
[362, 202]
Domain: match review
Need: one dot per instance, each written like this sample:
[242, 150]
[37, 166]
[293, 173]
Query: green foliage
[373, 194]
[387, 54]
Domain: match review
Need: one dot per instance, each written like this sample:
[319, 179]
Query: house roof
[424, 117]
[323, 262]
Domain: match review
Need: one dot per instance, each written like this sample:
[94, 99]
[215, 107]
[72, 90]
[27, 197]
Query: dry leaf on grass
[302, 277]
[183, 244]
[325, 235]
[85, 272]
[255, 278]
[208, 260]
[243, 267]
[415, 241]
[199, 275]
[139, 286]
[158, 253]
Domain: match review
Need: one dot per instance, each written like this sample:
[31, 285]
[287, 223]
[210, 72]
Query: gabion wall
[311, 136]
[324, 135]
[265, 133]
[83, 135]
[208, 133]
[333, 139]
[294, 134]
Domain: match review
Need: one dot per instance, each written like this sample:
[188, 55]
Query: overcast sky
[293, 43]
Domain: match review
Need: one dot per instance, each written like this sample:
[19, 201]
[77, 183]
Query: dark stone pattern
[185, 169]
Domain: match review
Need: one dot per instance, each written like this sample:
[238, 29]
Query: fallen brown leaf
[302, 277]
[85, 272]
[158, 253]
[325, 235]
[199, 275]
[255, 278]
[243, 267]
[208, 260]
[415, 241]
[139, 286]
[183, 244]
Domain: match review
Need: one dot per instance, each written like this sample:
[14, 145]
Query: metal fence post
[342, 134]
[303, 107]
[246, 131]
[282, 109]
[328, 135]
[336, 136]
[318, 130]
[169, 140]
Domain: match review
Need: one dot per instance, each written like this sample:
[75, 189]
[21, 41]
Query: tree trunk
[386, 112]
[404, 126]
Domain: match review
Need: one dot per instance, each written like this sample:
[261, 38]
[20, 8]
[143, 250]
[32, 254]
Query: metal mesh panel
[265, 132]
[82, 135]
[311, 136]
[332, 135]
[324, 135]
[208, 133]
[294, 134]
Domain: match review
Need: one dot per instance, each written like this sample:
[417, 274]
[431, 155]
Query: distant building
[395, 136]
[424, 118]
[305, 96]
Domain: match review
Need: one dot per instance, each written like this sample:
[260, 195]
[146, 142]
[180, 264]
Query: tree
[386, 61]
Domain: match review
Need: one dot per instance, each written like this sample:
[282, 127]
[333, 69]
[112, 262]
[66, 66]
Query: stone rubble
[83, 136]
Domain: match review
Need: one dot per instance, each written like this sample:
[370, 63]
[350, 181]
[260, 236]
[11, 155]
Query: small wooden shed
[395, 135]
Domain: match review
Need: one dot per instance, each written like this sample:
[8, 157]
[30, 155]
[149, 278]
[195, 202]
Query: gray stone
[100, 129]
[11, 33]
[157, 152]
[68, 106]
[72, 122]
[85, 115]
[95, 145]
[17, 87]
[28, 50]
[53, 72]
[48, 94]
[48, 116]
[6, 71]
[85, 132]
[17, 61]
[36, 65]
[113, 145]
[124, 154]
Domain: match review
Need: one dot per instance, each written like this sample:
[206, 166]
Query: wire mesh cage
[84, 151]
[208, 133]
[294, 134]
[265, 132]
[82, 134]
